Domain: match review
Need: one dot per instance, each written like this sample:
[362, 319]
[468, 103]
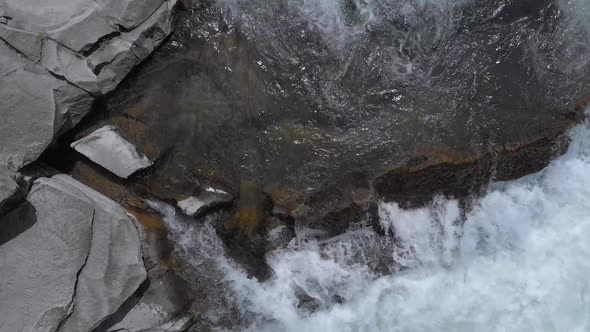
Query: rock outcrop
[74, 267]
[56, 57]
[34, 106]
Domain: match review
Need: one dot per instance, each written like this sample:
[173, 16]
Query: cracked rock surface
[56, 57]
[10, 185]
[74, 267]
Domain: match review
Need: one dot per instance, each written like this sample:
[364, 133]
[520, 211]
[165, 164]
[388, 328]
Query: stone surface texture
[9, 186]
[74, 267]
[55, 57]
[110, 150]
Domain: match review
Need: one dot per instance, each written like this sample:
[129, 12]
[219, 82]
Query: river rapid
[515, 258]
[518, 260]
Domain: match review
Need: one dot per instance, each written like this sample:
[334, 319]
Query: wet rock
[166, 302]
[110, 150]
[163, 306]
[457, 176]
[278, 233]
[347, 202]
[86, 266]
[208, 200]
[330, 121]
[245, 232]
[107, 184]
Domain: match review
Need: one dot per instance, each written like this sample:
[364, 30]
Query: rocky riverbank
[259, 124]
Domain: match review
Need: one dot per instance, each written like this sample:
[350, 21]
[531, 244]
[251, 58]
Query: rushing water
[519, 260]
[516, 260]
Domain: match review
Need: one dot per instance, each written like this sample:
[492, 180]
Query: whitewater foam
[517, 261]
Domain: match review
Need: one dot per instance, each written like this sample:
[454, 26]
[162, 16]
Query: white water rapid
[521, 262]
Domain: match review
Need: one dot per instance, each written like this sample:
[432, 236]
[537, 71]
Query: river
[515, 258]
[517, 261]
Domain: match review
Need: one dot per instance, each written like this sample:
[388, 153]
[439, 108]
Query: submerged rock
[209, 199]
[79, 261]
[401, 102]
[110, 150]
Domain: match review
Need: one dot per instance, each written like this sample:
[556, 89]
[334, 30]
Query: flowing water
[515, 259]
[518, 260]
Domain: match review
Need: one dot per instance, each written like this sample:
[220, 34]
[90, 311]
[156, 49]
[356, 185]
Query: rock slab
[56, 57]
[74, 267]
[40, 266]
[209, 199]
[110, 150]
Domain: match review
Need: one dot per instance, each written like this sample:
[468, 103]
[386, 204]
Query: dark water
[304, 95]
[300, 93]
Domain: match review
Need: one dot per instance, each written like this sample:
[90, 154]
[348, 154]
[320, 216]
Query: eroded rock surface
[56, 57]
[114, 268]
[398, 102]
[74, 266]
[35, 106]
[40, 266]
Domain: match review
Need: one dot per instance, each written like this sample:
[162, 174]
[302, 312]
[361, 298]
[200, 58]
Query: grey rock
[92, 44]
[164, 304]
[114, 270]
[114, 60]
[28, 43]
[130, 13]
[76, 24]
[34, 106]
[62, 61]
[74, 267]
[209, 198]
[39, 267]
[87, 46]
[109, 149]
[8, 186]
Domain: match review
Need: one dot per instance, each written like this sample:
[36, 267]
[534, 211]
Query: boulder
[114, 268]
[110, 150]
[74, 267]
[91, 44]
[209, 198]
[165, 302]
[40, 266]
[56, 57]
[34, 106]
